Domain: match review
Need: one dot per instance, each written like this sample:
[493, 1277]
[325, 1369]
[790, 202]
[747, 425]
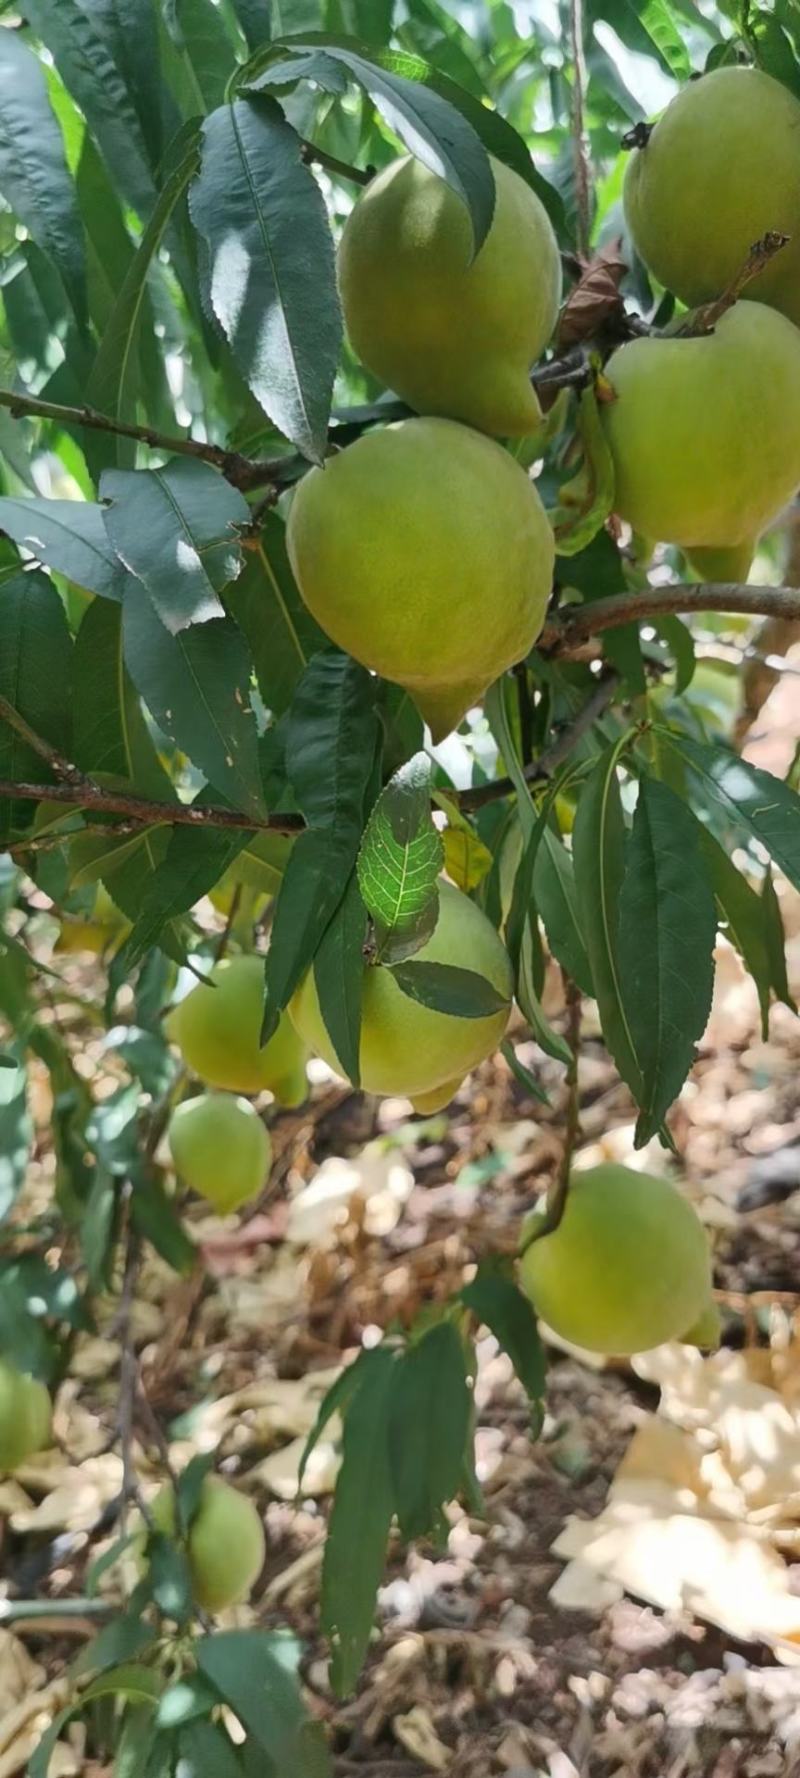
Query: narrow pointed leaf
[267, 606]
[758, 801]
[34, 178]
[271, 271]
[363, 1509]
[399, 863]
[429, 1427]
[598, 850]
[85, 61]
[557, 902]
[339, 978]
[197, 685]
[444, 987]
[667, 928]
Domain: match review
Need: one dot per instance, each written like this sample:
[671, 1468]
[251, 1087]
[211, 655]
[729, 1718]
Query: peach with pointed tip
[424, 551]
[217, 1028]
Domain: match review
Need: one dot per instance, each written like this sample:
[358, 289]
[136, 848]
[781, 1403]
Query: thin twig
[579, 136]
[340, 169]
[62, 767]
[128, 1373]
[12, 1611]
[554, 755]
[704, 320]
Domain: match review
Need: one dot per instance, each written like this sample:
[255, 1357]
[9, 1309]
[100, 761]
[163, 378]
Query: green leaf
[363, 1508]
[331, 739]
[16, 1132]
[194, 861]
[262, 217]
[399, 863]
[157, 1219]
[339, 978]
[334, 1401]
[773, 47]
[68, 535]
[96, 1230]
[645, 28]
[587, 497]
[255, 1673]
[776, 942]
[523, 1074]
[496, 1301]
[667, 928]
[168, 1577]
[444, 987]
[203, 1748]
[131, 30]
[207, 50]
[557, 901]
[742, 913]
[428, 1429]
[174, 528]
[597, 571]
[110, 735]
[598, 850]
[197, 686]
[82, 55]
[756, 800]
[267, 606]
[679, 640]
[496, 134]
[113, 383]
[185, 1700]
[429, 126]
[116, 1642]
[35, 674]
[34, 178]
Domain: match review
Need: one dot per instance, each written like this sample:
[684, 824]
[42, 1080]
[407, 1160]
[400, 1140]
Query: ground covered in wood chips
[475, 1669]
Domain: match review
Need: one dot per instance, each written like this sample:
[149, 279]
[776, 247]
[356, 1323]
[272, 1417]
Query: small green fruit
[217, 1028]
[225, 1546]
[451, 334]
[424, 551]
[25, 1415]
[627, 1267]
[721, 170]
[410, 1049]
[221, 1148]
[705, 430]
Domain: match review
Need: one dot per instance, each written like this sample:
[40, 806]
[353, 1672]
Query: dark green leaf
[446, 988]
[776, 942]
[339, 978]
[130, 30]
[168, 1577]
[334, 1402]
[16, 1131]
[194, 861]
[267, 606]
[68, 535]
[773, 48]
[197, 686]
[116, 1642]
[667, 928]
[494, 1298]
[363, 1509]
[754, 799]
[175, 529]
[598, 850]
[428, 125]
[35, 673]
[253, 16]
[523, 1074]
[331, 739]
[255, 1673]
[428, 1429]
[186, 1700]
[33, 171]
[679, 640]
[597, 570]
[97, 1229]
[113, 383]
[742, 913]
[82, 55]
[110, 735]
[203, 1748]
[156, 1218]
[557, 901]
[272, 283]
[653, 26]
[399, 863]
[207, 49]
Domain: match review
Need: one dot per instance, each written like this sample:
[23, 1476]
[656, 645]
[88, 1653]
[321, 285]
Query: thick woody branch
[143, 813]
[577, 624]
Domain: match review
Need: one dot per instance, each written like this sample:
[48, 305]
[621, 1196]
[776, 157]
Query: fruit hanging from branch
[452, 334]
[408, 1048]
[424, 551]
[221, 1148]
[217, 1028]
